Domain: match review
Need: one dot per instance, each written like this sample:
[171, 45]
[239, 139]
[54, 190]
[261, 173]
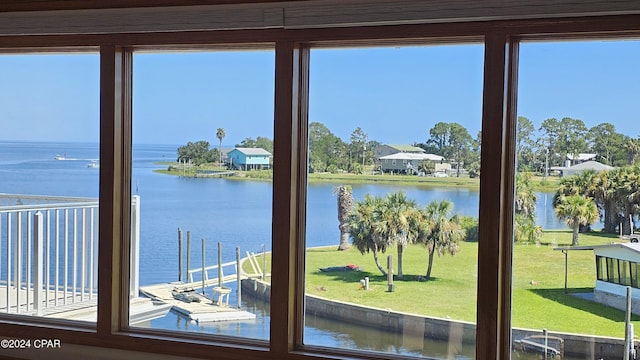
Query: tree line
[536, 149]
[613, 196]
[555, 139]
[201, 152]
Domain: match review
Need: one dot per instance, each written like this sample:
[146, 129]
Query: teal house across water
[249, 159]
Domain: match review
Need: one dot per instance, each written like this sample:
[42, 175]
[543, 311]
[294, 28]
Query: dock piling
[189, 253]
[628, 336]
[390, 274]
[179, 254]
[239, 280]
[219, 264]
[264, 262]
[203, 268]
[546, 343]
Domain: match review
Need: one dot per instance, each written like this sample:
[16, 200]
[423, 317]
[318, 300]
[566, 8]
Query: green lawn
[539, 300]
[425, 181]
[172, 168]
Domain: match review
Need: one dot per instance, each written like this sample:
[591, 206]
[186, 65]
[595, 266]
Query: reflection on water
[254, 329]
[331, 333]
[334, 334]
[23, 166]
[325, 332]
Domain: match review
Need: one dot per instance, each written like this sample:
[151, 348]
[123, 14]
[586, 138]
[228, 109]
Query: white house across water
[409, 162]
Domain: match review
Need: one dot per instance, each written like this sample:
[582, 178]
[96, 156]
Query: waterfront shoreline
[539, 184]
[460, 332]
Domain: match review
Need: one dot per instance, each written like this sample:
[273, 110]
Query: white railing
[49, 252]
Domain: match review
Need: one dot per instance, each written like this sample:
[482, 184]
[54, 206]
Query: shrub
[470, 225]
[259, 174]
[356, 168]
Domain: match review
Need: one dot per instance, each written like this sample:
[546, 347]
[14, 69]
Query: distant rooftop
[635, 247]
[581, 157]
[591, 165]
[412, 156]
[406, 148]
[253, 151]
[587, 165]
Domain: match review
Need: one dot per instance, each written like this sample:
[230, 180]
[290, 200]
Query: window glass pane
[623, 267]
[202, 155]
[634, 274]
[419, 107]
[612, 270]
[577, 153]
[599, 267]
[49, 111]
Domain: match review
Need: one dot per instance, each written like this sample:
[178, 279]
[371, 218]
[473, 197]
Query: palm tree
[576, 210]
[394, 224]
[633, 148]
[345, 203]
[628, 195]
[363, 228]
[444, 232]
[220, 135]
[525, 196]
[604, 195]
[526, 230]
[525, 212]
[584, 184]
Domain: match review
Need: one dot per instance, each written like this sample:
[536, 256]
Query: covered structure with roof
[578, 169]
[389, 149]
[249, 158]
[617, 267]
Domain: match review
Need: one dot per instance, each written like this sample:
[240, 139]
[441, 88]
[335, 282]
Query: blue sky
[394, 94]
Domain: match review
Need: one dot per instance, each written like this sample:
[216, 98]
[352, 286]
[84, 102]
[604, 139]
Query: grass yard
[400, 180]
[539, 300]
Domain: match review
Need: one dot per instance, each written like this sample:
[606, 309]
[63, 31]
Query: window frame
[501, 39]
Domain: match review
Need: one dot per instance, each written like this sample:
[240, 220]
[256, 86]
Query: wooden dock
[202, 310]
[214, 173]
[73, 306]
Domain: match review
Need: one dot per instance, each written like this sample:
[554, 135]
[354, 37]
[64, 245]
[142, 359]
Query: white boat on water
[60, 157]
[94, 164]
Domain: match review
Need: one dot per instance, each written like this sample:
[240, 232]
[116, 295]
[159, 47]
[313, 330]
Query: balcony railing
[49, 253]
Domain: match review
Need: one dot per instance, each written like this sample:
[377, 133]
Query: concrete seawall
[456, 332]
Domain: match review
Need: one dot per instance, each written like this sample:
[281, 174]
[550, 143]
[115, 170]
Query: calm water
[235, 213]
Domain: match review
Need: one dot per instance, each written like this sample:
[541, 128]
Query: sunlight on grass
[539, 299]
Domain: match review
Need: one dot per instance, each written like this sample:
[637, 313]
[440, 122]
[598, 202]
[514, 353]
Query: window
[397, 254]
[634, 275]
[49, 109]
[601, 268]
[624, 273]
[572, 154]
[614, 274]
[298, 57]
[201, 217]
[623, 268]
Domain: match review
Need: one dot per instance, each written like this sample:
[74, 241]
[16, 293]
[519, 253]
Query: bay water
[234, 213]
